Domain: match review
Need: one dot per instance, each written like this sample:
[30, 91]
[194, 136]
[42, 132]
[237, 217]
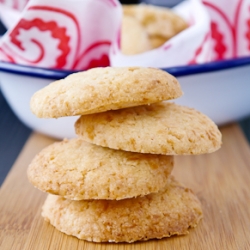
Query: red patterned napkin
[63, 34]
[76, 35]
[219, 29]
[230, 28]
[191, 46]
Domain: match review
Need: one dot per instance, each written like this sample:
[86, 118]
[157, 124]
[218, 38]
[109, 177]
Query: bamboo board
[221, 180]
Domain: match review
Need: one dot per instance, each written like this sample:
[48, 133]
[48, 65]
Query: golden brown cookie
[134, 38]
[101, 89]
[173, 211]
[160, 23]
[156, 41]
[160, 128]
[79, 170]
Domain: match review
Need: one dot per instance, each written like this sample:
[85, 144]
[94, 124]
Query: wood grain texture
[221, 180]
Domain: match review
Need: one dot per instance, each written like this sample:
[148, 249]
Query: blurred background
[168, 3]
[13, 134]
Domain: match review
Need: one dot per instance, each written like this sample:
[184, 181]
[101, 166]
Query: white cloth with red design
[77, 35]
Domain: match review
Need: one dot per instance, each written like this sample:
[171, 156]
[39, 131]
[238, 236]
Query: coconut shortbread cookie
[160, 23]
[170, 212]
[79, 170]
[101, 89]
[134, 39]
[161, 128]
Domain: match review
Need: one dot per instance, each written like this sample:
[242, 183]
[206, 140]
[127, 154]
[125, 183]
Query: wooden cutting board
[221, 180]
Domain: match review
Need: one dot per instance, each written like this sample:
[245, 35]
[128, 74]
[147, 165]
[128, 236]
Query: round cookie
[79, 170]
[134, 39]
[102, 89]
[160, 23]
[172, 211]
[160, 128]
[156, 41]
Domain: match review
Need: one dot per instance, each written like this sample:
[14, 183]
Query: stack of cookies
[112, 182]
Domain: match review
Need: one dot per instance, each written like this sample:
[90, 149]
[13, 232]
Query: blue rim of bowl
[176, 71]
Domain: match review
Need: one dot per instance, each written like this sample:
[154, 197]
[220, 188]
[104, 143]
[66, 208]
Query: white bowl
[219, 89]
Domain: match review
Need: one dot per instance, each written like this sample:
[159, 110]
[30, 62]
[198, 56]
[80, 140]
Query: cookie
[79, 170]
[134, 38]
[170, 212]
[160, 128]
[102, 89]
[156, 41]
[160, 23]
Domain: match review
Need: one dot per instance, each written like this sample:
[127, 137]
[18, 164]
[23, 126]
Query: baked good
[170, 212]
[134, 38]
[102, 89]
[160, 23]
[160, 128]
[79, 170]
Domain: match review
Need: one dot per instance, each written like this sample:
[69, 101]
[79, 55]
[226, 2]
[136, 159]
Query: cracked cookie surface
[101, 89]
[160, 128]
[172, 211]
[79, 170]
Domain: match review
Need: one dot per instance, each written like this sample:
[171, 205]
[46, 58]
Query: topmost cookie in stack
[122, 109]
[101, 89]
